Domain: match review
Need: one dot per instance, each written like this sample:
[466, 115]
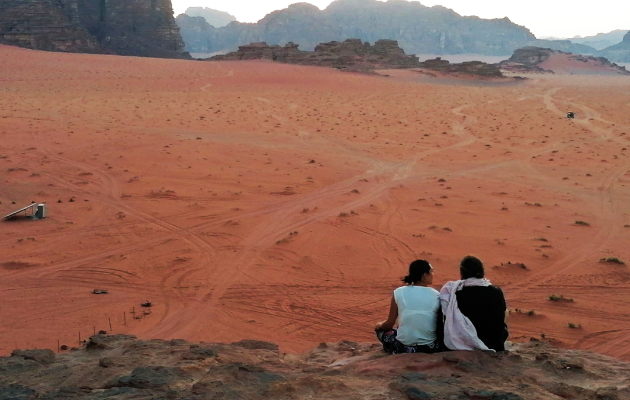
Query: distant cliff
[418, 29]
[127, 27]
[217, 19]
[619, 52]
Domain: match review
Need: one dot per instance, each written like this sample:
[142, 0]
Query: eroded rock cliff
[127, 27]
[121, 367]
[44, 25]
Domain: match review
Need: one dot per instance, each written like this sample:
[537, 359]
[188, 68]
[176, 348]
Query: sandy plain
[262, 201]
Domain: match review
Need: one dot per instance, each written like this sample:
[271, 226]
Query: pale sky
[559, 18]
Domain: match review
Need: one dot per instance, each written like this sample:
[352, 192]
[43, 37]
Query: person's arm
[391, 320]
[504, 308]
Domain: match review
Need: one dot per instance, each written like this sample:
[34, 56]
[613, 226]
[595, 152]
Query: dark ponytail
[417, 270]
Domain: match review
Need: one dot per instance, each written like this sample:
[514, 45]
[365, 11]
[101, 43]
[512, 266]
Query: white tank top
[417, 314]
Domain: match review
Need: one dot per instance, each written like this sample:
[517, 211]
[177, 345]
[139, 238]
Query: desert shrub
[613, 260]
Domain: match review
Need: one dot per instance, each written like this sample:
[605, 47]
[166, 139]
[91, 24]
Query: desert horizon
[256, 200]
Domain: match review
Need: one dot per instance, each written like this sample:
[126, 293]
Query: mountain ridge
[619, 52]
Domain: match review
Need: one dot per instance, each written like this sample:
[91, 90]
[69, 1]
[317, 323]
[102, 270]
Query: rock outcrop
[127, 368]
[477, 68]
[355, 55]
[418, 29]
[126, 27]
[619, 52]
[539, 60]
[45, 25]
[217, 19]
[351, 54]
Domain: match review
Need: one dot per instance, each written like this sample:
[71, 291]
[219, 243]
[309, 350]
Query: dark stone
[16, 365]
[413, 393]
[206, 387]
[414, 376]
[97, 343]
[66, 393]
[105, 362]
[44, 357]
[152, 378]
[256, 345]
[17, 392]
[494, 395]
[199, 354]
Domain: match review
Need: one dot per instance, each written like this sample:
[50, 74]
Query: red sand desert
[253, 200]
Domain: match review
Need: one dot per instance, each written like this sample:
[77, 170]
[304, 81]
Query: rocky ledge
[470, 68]
[122, 367]
[354, 55]
[532, 60]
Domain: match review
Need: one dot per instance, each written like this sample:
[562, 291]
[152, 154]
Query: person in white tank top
[416, 307]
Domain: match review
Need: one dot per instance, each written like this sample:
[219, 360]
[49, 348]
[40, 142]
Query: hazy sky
[560, 18]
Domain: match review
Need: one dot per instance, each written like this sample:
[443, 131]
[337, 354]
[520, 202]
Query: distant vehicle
[570, 115]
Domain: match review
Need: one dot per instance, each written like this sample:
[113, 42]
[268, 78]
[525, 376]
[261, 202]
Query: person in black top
[484, 306]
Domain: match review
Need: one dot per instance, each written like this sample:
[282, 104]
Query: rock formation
[418, 29]
[350, 54]
[121, 367]
[217, 19]
[355, 55]
[619, 52]
[477, 68]
[539, 60]
[45, 25]
[126, 27]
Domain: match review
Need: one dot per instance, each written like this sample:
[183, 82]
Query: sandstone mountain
[138, 28]
[418, 29]
[619, 52]
[601, 40]
[217, 19]
[539, 60]
[122, 367]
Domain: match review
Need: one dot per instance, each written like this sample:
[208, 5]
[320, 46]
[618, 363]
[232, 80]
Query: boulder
[151, 378]
[43, 357]
[17, 392]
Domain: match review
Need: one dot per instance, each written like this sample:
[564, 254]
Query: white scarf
[459, 332]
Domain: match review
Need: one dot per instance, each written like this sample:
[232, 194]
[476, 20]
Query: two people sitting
[468, 314]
